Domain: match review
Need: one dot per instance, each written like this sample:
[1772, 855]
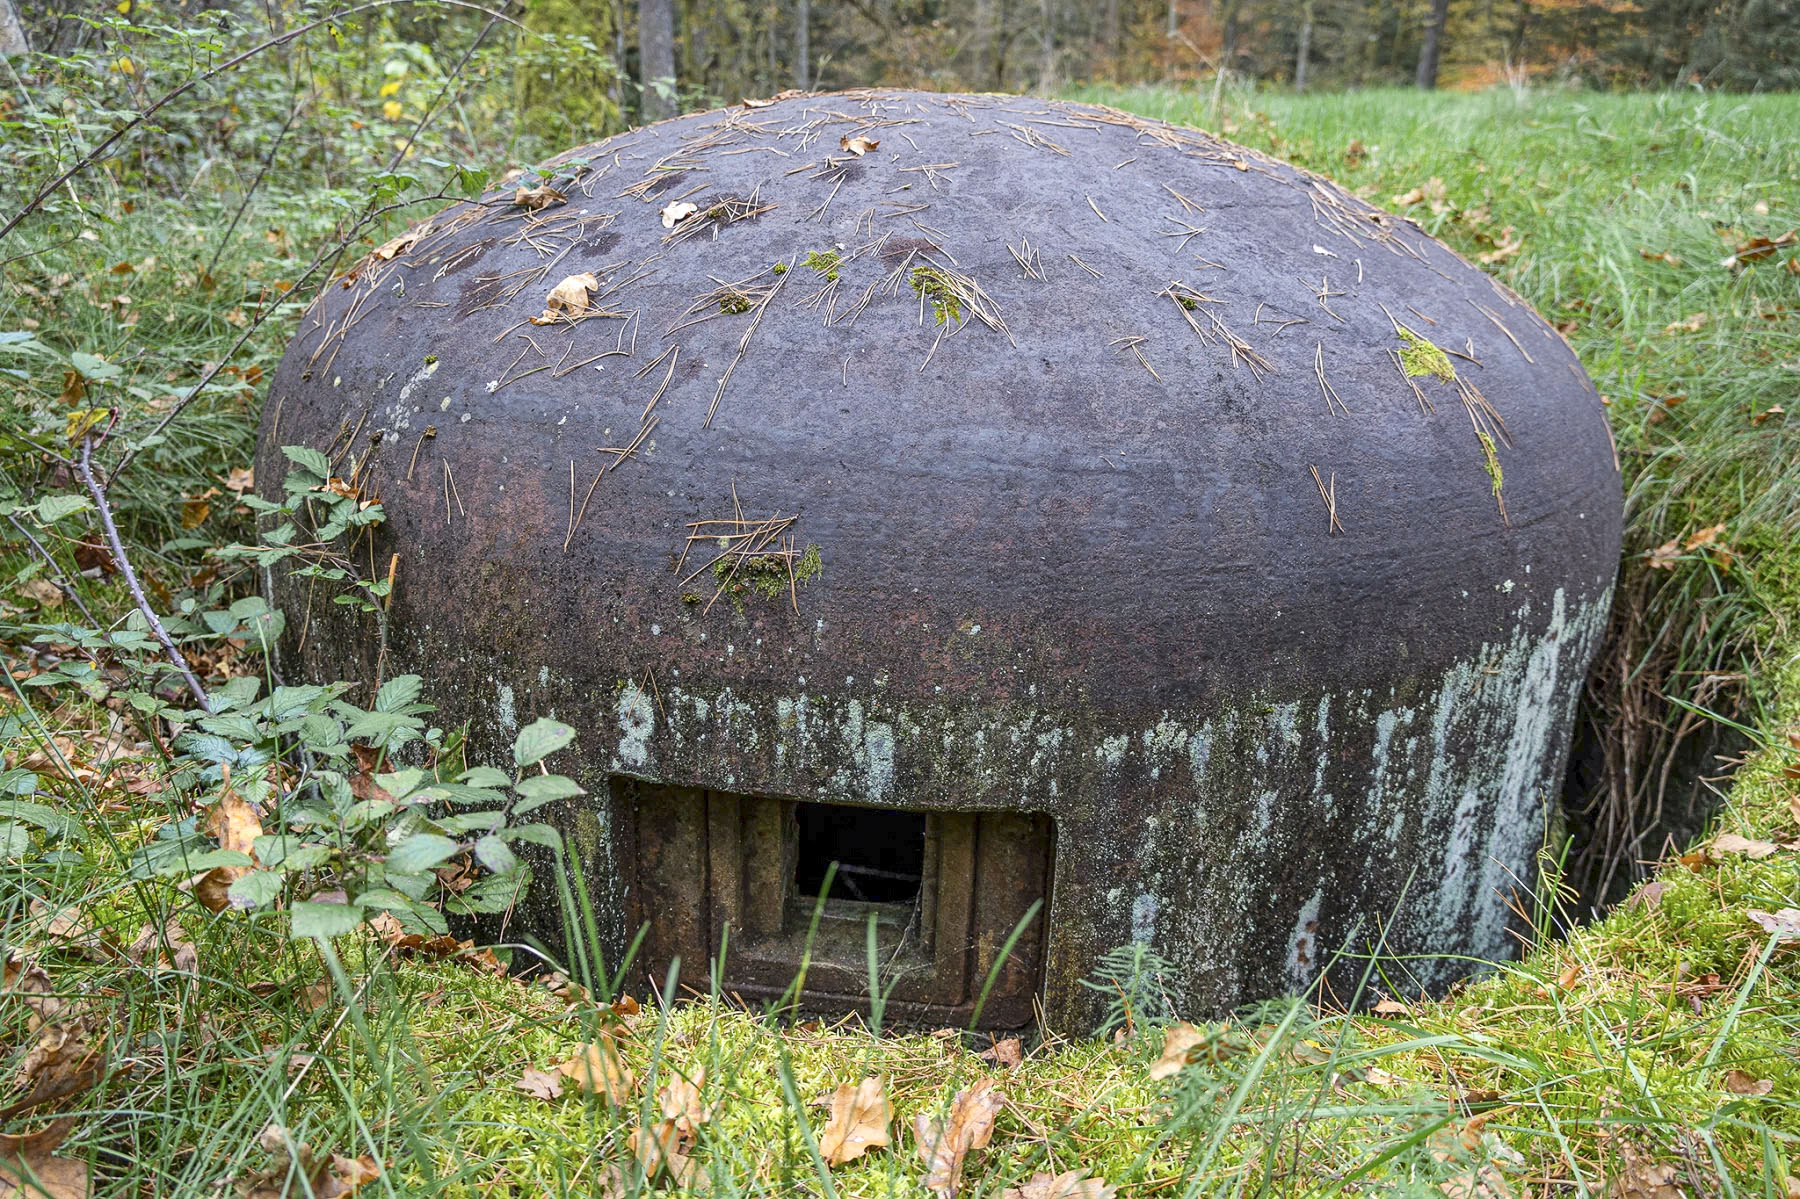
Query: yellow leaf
[125, 66]
[392, 110]
[860, 1116]
[390, 88]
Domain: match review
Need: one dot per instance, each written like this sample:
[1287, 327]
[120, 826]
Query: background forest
[652, 57]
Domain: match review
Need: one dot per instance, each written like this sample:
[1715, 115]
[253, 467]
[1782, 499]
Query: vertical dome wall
[1215, 558]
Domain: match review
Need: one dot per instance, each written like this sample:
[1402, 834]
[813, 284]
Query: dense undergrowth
[146, 300]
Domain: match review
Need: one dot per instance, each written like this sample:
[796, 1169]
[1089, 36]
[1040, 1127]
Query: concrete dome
[1211, 556]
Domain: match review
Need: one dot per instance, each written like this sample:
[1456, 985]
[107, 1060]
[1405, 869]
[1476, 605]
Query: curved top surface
[1061, 394]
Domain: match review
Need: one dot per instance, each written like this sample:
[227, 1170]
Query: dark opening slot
[880, 854]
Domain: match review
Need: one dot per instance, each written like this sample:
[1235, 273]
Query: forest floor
[1652, 1053]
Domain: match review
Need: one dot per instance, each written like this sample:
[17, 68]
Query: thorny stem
[85, 467]
[59, 578]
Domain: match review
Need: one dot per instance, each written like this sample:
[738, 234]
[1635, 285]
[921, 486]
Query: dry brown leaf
[165, 948]
[1482, 1182]
[680, 1102]
[66, 1060]
[240, 479]
[1640, 1177]
[1392, 1007]
[393, 248]
[43, 591]
[1738, 1082]
[533, 198]
[1705, 536]
[1007, 1053]
[540, 1083]
[1664, 556]
[568, 298]
[857, 145]
[29, 1169]
[1784, 924]
[677, 211]
[749, 103]
[1510, 243]
[599, 1070]
[1179, 1043]
[860, 1116]
[350, 1173]
[67, 929]
[661, 1148]
[945, 1142]
[234, 821]
[1731, 843]
[32, 983]
[1071, 1184]
[1693, 324]
[1758, 248]
[1790, 1187]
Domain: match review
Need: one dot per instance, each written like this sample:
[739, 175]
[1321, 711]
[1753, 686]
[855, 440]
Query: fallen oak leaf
[945, 1142]
[531, 199]
[568, 298]
[539, 1083]
[148, 949]
[1739, 1082]
[599, 1070]
[236, 824]
[1183, 1045]
[860, 1116]
[394, 247]
[1006, 1053]
[660, 1148]
[680, 1102]
[1071, 1184]
[1642, 1177]
[29, 1168]
[1731, 843]
[1784, 925]
[350, 1173]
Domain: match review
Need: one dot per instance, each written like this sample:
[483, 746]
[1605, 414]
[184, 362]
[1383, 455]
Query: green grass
[1542, 1076]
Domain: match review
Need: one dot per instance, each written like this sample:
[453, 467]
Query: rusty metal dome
[1008, 500]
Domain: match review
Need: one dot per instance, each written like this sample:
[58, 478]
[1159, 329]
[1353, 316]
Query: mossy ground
[1621, 1034]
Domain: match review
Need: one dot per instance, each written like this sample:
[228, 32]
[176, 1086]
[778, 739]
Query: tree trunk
[1434, 44]
[12, 31]
[1047, 48]
[1174, 20]
[1300, 59]
[656, 58]
[802, 45]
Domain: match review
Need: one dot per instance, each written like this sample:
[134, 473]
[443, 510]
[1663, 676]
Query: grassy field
[1650, 1054]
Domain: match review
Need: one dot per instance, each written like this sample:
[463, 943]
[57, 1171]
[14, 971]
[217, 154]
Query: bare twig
[85, 467]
